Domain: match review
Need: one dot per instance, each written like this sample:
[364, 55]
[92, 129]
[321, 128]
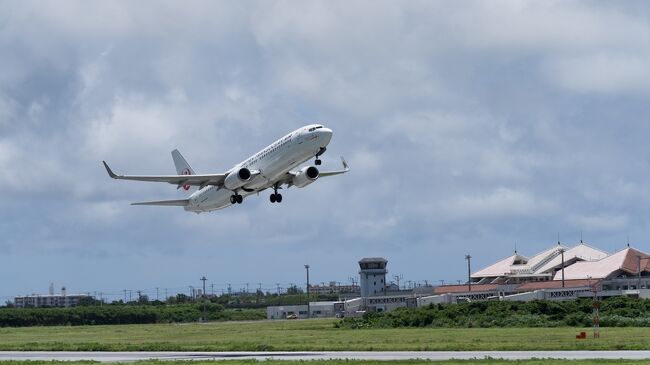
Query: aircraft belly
[214, 199]
[259, 181]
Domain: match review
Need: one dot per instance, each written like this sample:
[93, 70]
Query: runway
[320, 355]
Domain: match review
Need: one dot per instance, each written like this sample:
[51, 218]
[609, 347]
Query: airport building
[375, 296]
[334, 288]
[49, 300]
[558, 273]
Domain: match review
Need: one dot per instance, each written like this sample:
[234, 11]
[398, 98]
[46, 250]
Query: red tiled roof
[554, 284]
[463, 288]
[625, 260]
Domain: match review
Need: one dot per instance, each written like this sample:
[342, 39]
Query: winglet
[108, 169]
[345, 164]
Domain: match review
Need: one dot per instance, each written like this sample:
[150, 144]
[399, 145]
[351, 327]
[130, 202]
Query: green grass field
[304, 335]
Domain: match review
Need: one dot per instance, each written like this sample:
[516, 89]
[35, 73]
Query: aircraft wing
[179, 180]
[346, 168]
[288, 179]
[170, 203]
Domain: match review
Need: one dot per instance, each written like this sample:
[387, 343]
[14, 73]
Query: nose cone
[325, 134]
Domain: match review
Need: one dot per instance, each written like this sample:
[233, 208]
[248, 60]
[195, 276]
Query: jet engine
[237, 178]
[306, 176]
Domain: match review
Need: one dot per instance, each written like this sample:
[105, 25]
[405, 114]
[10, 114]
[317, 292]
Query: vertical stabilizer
[183, 168]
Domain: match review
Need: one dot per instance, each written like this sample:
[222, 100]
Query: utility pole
[203, 279]
[130, 292]
[212, 289]
[278, 286]
[139, 295]
[124, 295]
[308, 309]
[469, 271]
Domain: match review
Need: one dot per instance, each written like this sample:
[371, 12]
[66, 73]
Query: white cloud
[600, 222]
[498, 204]
[602, 73]
[448, 113]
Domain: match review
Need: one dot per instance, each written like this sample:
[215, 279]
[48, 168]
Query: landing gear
[236, 199]
[320, 152]
[276, 197]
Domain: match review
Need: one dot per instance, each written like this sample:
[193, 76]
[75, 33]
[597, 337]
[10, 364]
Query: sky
[470, 127]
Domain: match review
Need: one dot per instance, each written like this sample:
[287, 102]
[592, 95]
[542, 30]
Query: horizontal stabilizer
[169, 203]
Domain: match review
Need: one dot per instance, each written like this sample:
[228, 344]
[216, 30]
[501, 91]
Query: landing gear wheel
[278, 198]
[318, 162]
[272, 198]
[233, 199]
[239, 199]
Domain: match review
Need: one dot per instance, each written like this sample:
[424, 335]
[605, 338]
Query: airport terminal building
[557, 273]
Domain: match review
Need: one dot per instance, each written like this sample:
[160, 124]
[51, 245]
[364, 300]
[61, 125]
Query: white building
[373, 276]
[49, 300]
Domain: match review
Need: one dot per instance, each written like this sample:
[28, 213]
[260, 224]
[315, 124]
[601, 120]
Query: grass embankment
[315, 335]
[356, 362]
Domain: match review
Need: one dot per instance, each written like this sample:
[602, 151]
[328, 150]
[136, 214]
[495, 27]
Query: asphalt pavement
[320, 355]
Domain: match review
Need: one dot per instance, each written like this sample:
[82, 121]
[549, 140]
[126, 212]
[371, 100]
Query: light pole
[469, 271]
[308, 309]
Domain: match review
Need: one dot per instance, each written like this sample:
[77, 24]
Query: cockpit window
[314, 128]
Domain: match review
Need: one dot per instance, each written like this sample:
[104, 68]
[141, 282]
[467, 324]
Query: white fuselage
[272, 162]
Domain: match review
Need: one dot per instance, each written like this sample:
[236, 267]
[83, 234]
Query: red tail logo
[186, 172]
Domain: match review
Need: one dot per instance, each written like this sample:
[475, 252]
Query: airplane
[270, 168]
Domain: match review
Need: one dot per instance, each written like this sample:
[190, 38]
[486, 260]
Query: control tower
[373, 276]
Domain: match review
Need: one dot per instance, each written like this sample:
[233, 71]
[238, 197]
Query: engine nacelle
[237, 178]
[306, 176]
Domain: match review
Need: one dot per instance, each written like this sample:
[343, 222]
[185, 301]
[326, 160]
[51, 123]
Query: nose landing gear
[320, 152]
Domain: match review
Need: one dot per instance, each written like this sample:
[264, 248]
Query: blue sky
[471, 127]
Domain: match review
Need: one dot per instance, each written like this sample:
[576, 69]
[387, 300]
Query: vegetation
[177, 309]
[614, 312]
[123, 314]
[310, 335]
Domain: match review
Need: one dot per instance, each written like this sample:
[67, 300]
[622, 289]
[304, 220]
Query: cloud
[606, 74]
[462, 122]
[600, 222]
[498, 204]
